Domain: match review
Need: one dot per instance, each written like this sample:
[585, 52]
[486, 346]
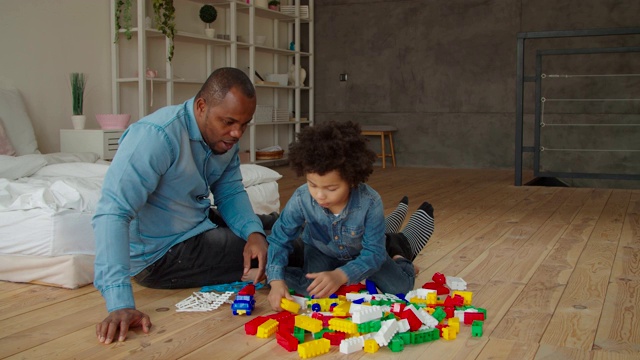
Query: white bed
[47, 202]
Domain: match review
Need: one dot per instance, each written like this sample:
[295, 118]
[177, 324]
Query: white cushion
[255, 174]
[15, 167]
[16, 121]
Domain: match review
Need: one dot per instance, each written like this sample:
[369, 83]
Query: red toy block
[354, 288]
[470, 316]
[251, 327]
[249, 289]
[334, 337]
[450, 311]
[287, 340]
[285, 319]
[414, 322]
[440, 289]
[397, 308]
[439, 278]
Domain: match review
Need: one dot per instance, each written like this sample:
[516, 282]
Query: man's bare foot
[416, 269]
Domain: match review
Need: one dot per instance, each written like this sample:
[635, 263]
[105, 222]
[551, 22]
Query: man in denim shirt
[153, 220]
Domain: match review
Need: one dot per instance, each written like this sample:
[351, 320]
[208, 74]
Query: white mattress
[38, 232]
[46, 235]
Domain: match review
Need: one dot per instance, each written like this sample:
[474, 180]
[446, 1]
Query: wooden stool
[382, 130]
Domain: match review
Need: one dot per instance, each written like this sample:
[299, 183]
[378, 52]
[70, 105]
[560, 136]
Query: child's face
[329, 190]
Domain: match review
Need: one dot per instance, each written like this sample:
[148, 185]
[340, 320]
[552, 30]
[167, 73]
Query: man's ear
[199, 108]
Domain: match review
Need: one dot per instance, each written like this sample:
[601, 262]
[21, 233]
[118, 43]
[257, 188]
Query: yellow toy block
[454, 323]
[267, 329]
[290, 306]
[314, 348]
[342, 309]
[371, 346]
[467, 295]
[432, 298]
[308, 324]
[448, 333]
[429, 310]
[343, 325]
[325, 303]
[416, 300]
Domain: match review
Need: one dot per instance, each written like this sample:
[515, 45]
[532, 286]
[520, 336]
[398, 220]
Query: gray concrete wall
[444, 72]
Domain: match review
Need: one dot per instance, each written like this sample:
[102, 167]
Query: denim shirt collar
[192, 124]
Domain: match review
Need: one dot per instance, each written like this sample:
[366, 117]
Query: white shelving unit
[197, 55]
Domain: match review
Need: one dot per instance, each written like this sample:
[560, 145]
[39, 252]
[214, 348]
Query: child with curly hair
[340, 221]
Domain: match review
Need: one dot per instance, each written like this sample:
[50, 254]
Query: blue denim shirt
[155, 195]
[356, 235]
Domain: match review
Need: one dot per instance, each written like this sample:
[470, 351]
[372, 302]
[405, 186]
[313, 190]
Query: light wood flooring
[558, 270]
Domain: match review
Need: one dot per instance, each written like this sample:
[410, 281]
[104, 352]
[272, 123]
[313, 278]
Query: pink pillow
[5, 144]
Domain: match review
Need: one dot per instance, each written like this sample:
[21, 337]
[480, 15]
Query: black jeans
[213, 257]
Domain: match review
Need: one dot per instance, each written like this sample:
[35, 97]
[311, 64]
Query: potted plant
[78, 83]
[274, 5]
[164, 12]
[208, 14]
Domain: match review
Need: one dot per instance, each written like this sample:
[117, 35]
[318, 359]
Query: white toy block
[351, 345]
[300, 301]
[403, 325]
[386, 332]
[366, 313]
[358, 296]
[411, 294]
[456, 283]
[427, 319]
[422, 293]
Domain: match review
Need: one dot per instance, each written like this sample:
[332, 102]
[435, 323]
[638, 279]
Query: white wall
[41, 43]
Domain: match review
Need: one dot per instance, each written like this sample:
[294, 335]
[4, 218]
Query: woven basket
[269, 155]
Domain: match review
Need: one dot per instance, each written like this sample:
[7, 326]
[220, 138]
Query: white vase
[78, 121]
[211, 33]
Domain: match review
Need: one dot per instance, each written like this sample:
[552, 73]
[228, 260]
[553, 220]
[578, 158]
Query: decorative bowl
[113, 121]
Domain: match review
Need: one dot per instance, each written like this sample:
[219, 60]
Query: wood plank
[22, 300]
[508, 349]
[575, 321]
[619, 328]
[528, 317]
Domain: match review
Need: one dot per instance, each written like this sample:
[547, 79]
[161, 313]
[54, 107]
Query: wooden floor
[558, 270]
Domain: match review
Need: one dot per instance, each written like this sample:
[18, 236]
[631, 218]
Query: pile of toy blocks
[358, 318]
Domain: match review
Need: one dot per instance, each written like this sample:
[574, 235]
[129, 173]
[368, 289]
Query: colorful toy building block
[371, 346]
[387, 331]
[343, 325]
[412, 319]
[335, 337]
[369, 326]
[396, 345]
[251, 327]
[248, 289]
[439, 314]
[243, 304]
[469, 317]
[371, 287]
[267, 329]
[454, 323]
[467, 295]
[287, 340]
[476, 328]
[342, 309]
[285, 320]
[448, 333]
[289, 305]
[348, 346]
[298, 333]
[456, 283]
[308, 324]
[314, 348]
[366, 313]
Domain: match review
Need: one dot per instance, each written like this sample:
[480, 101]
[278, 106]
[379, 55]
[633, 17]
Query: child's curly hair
[333, 146]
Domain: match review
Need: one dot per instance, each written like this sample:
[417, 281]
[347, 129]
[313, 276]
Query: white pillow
[15, 167]
[60, 158]
[16, 121]
[255, 174]
[77, 169]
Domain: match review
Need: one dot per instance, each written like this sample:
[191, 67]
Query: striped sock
[396, 218]
[420, 227]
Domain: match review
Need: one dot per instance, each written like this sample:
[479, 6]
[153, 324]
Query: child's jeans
[393, 277]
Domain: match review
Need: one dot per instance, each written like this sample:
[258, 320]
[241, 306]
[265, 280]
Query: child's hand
[278, 291]
[326, 283]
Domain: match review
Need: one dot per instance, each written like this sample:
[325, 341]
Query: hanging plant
[123, 19]
[165, 16]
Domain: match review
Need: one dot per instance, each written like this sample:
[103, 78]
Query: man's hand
[256, 247]
[278, 291]
[326, 283]
[122, 320]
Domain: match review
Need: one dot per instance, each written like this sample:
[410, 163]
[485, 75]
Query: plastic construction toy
[244, 302]
[367, 322]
